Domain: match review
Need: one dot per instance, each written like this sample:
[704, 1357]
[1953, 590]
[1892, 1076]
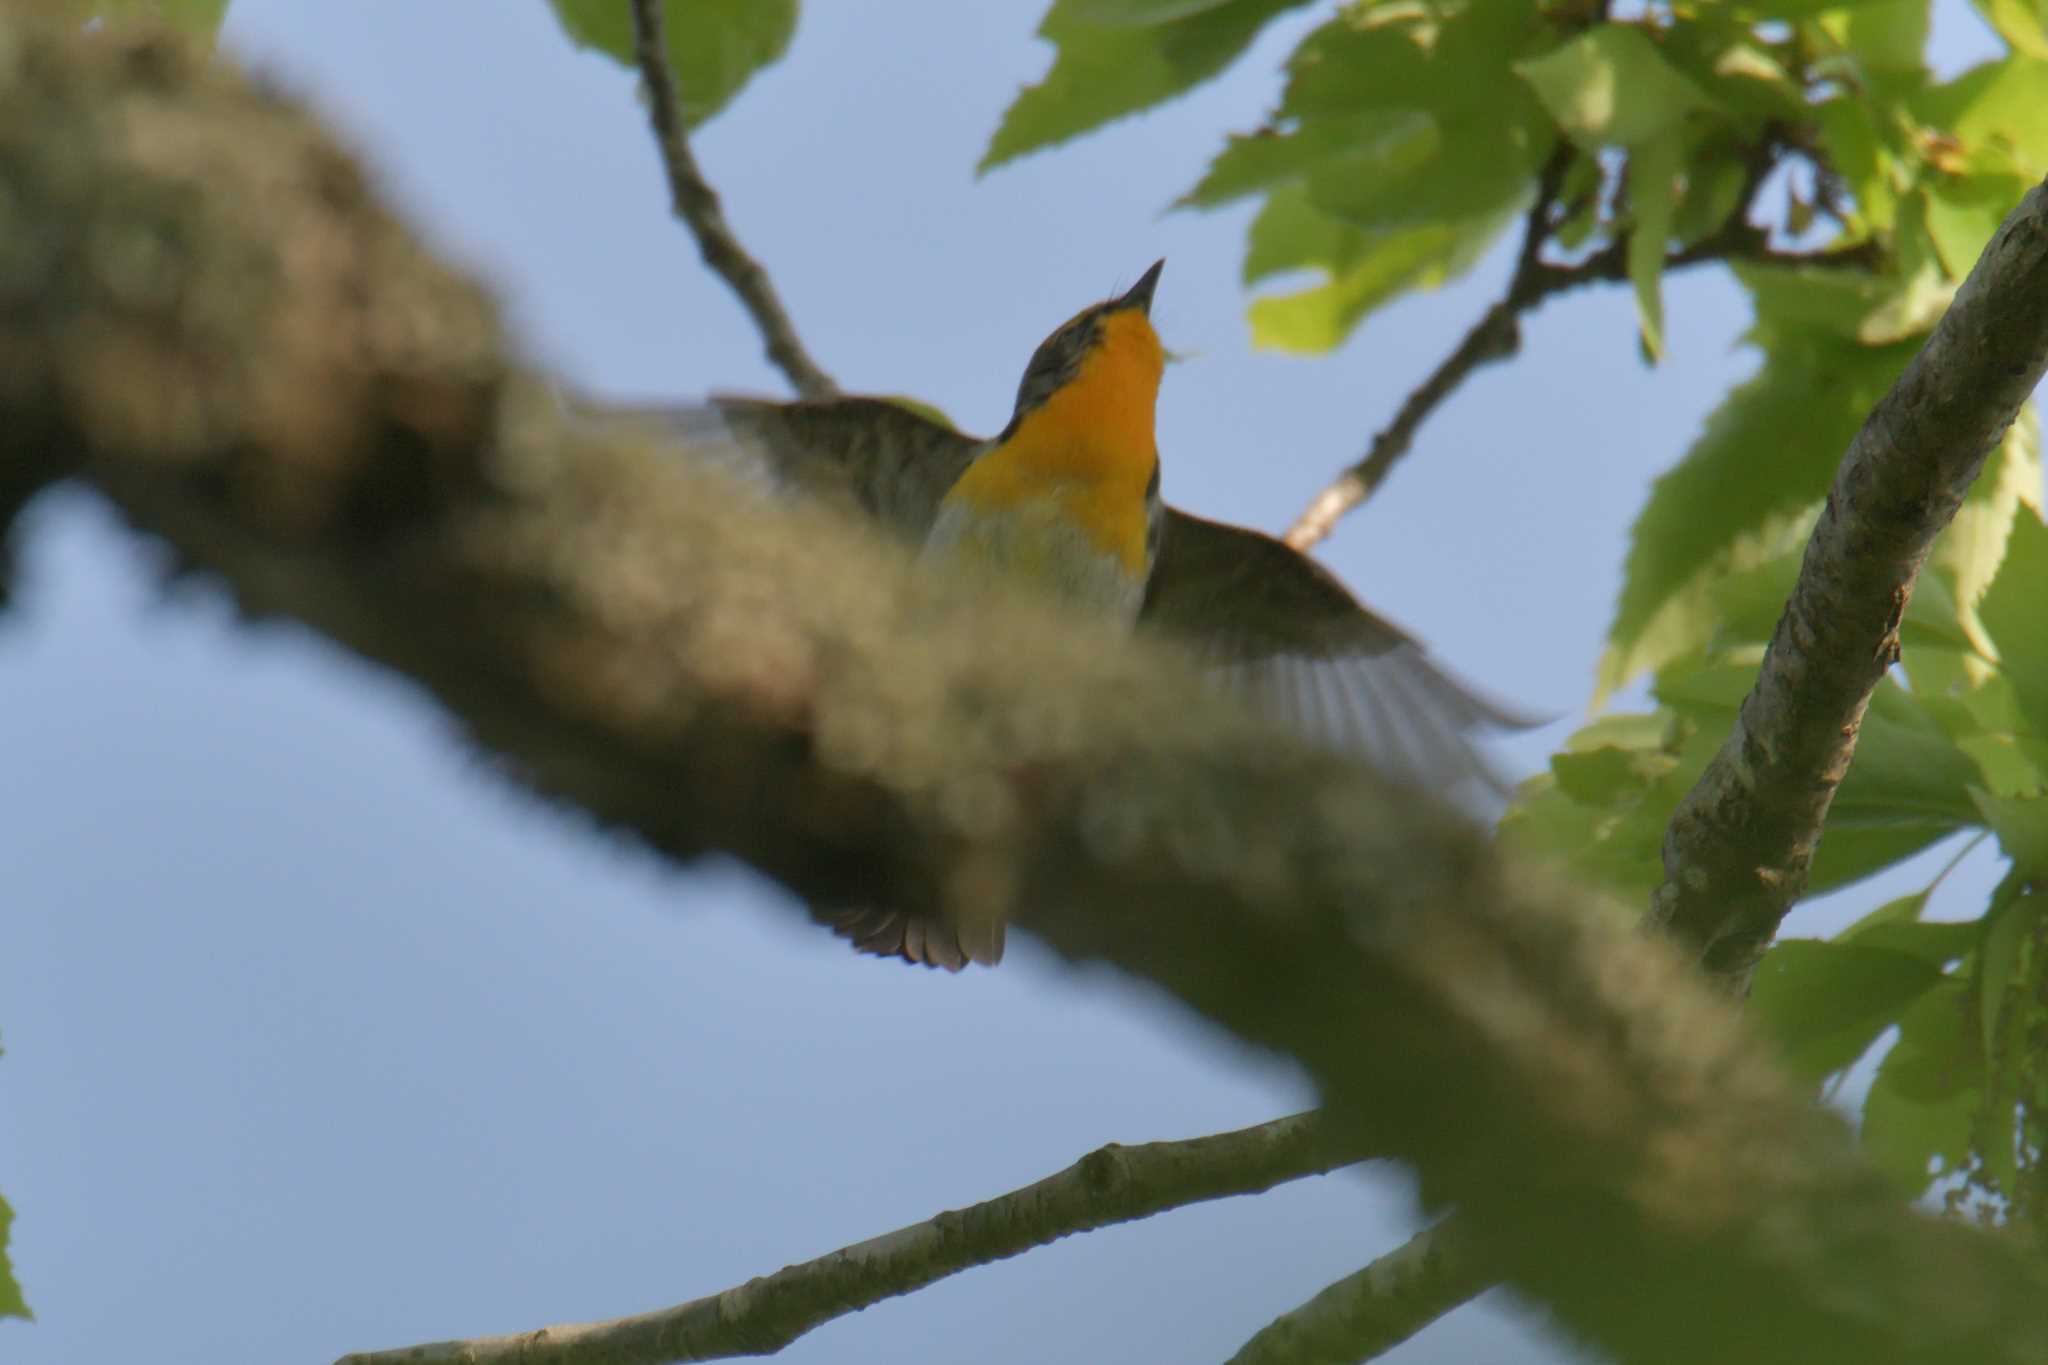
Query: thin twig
[1497, 334]
[1113, 1184]
[1372, 1310]
[696, 203]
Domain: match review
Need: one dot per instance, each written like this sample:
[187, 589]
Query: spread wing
[1275, 626]
[867, 454]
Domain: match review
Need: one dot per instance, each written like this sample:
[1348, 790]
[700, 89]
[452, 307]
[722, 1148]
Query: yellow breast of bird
[1066, 498]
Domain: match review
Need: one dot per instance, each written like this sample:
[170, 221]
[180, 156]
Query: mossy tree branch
[215, 324]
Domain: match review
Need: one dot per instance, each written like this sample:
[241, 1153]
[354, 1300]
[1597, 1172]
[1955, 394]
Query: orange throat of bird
[1091, 445]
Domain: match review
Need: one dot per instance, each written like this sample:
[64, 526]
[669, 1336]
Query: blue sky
[320, 1037]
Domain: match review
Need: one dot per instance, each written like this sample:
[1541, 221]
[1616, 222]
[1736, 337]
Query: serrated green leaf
[1401, 138]
[1610, 87]
[12, 1304]
[1918, 1116]
[1653, 193]
[2006, 924]
[1742, 495]
[1858, 146]
[1103, 72]
[714, 47]
[2011, 615]
[199, 18]
[1967, 557]
[1824, 1003]
[1366, 269]
[2023, 23]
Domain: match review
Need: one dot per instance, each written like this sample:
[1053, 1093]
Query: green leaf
[2012, 616]
[714, 47]
[12, 1304]
[1969, 553]
[1402, 140]
[1897, 926]
[199, 18]
[1997, 113]
[1886, 36]
[1825, 1003]
[2006, 924]
[1105, 71]
[1140, 11]
[1653, 192]
[1610, 86]
[1962, 213]
[2021, 824]
[1365, 268]
[2022, 23]
[1742, 495]
[1918, 1117]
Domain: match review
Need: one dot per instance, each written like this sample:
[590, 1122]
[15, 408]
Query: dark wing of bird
[867, 454]
[1275, 626]
[871, 456]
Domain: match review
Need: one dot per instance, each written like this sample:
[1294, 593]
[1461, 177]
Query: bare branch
[297, 398]
[696, 203]
[1375, 1309]
[1496, 336]
[1739, 847]
[1113, 1184]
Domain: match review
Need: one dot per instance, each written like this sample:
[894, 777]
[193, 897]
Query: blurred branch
[1739, 847]
[1497, 334]
[1113, 1184]
[1375, 1309]
[696, 203]
[227, 335]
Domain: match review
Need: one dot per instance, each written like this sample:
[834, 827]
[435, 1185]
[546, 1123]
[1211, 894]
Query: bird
[1067, 496]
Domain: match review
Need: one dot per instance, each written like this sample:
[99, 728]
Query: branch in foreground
[297, 398]
[1113, 1184]
[696, 203]
[1739, 847]
[1374, 1309]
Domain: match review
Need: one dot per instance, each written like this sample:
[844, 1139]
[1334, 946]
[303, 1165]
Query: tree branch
[1497, 334]
[1113, 1184]
[696, 203]
[1739, 847]
[228, 336]
[1374, 1309]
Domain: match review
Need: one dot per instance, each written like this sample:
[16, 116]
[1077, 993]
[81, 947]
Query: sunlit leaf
[1365, 268]
[1104, 71]
[1609, 86]
[1740, 497]
[714, 47]
[1653, 191]
[2012, 615]
[2023, 23]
